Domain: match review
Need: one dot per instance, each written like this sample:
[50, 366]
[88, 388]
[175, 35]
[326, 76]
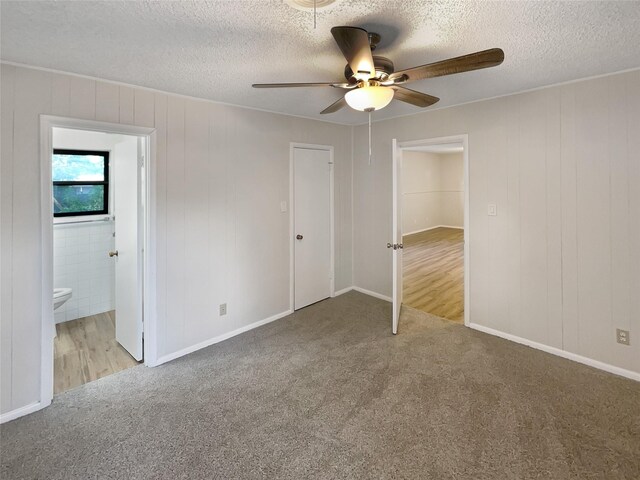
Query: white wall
[452, 189]
[221, 174]
[432, 191]
[80, 262]
[420, 192]
[560, 263]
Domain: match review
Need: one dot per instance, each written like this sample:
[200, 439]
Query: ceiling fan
[372, 81]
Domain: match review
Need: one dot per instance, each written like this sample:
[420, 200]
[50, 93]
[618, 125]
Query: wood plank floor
[86, 349]
[433, 272]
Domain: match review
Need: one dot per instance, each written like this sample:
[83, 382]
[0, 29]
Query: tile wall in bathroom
[81, 262]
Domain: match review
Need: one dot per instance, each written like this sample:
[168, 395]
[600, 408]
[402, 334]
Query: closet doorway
[311, 198]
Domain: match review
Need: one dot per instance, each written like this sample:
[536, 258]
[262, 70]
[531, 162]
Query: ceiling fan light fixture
[368, 99]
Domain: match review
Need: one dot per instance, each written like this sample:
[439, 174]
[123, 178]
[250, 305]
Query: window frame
[105, 182]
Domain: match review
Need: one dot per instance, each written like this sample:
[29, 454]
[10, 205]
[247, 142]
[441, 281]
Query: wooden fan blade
[287, 85]
[334, 107]
[418, 99]
[354, 44]
[465, 63]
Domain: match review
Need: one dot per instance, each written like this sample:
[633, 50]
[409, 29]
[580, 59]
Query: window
[80, 182]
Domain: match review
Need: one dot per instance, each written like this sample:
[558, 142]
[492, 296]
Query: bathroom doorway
[97, 195]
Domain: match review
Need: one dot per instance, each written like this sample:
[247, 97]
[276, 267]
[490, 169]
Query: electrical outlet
[223, 309]
[623, 336]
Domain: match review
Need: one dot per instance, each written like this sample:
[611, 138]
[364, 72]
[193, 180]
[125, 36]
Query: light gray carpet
[329, 393]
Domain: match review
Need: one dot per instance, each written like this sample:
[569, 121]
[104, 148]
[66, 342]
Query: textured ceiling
[217, 49]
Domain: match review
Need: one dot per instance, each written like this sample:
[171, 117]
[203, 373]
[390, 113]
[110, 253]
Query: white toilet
[60, 296]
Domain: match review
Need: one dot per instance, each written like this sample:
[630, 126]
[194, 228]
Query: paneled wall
[560, 263]
[432, 191]
[221, 238]
[420, 192]
[452, 189]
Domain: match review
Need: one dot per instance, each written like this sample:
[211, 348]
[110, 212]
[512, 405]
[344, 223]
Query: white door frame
[292, 281]
[464, 139]
[47, 123]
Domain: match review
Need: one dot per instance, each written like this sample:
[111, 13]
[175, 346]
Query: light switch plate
[283, 206]
[492, 210]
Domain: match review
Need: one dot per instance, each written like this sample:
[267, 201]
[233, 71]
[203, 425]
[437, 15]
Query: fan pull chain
[314, 14]
[369, 138]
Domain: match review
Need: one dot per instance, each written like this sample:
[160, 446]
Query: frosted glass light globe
[368, 99]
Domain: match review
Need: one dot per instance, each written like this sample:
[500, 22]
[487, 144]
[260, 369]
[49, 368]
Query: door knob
[113, 254]
[299, 237]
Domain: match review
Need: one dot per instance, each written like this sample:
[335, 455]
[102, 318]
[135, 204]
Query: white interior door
[312, 225]
[126, 161]
[397, 237]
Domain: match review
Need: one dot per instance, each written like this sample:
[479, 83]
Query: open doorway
[96, 240]
[97, 213]
[433, 229]
[430, 227]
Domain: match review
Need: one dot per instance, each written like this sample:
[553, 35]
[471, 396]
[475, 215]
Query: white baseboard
[343, 291]
[219, 338]
[431, 228]
[372, 294]
[559, 352]
[21, 412]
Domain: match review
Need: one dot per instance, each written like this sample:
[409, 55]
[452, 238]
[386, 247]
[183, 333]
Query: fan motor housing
[384, 68]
